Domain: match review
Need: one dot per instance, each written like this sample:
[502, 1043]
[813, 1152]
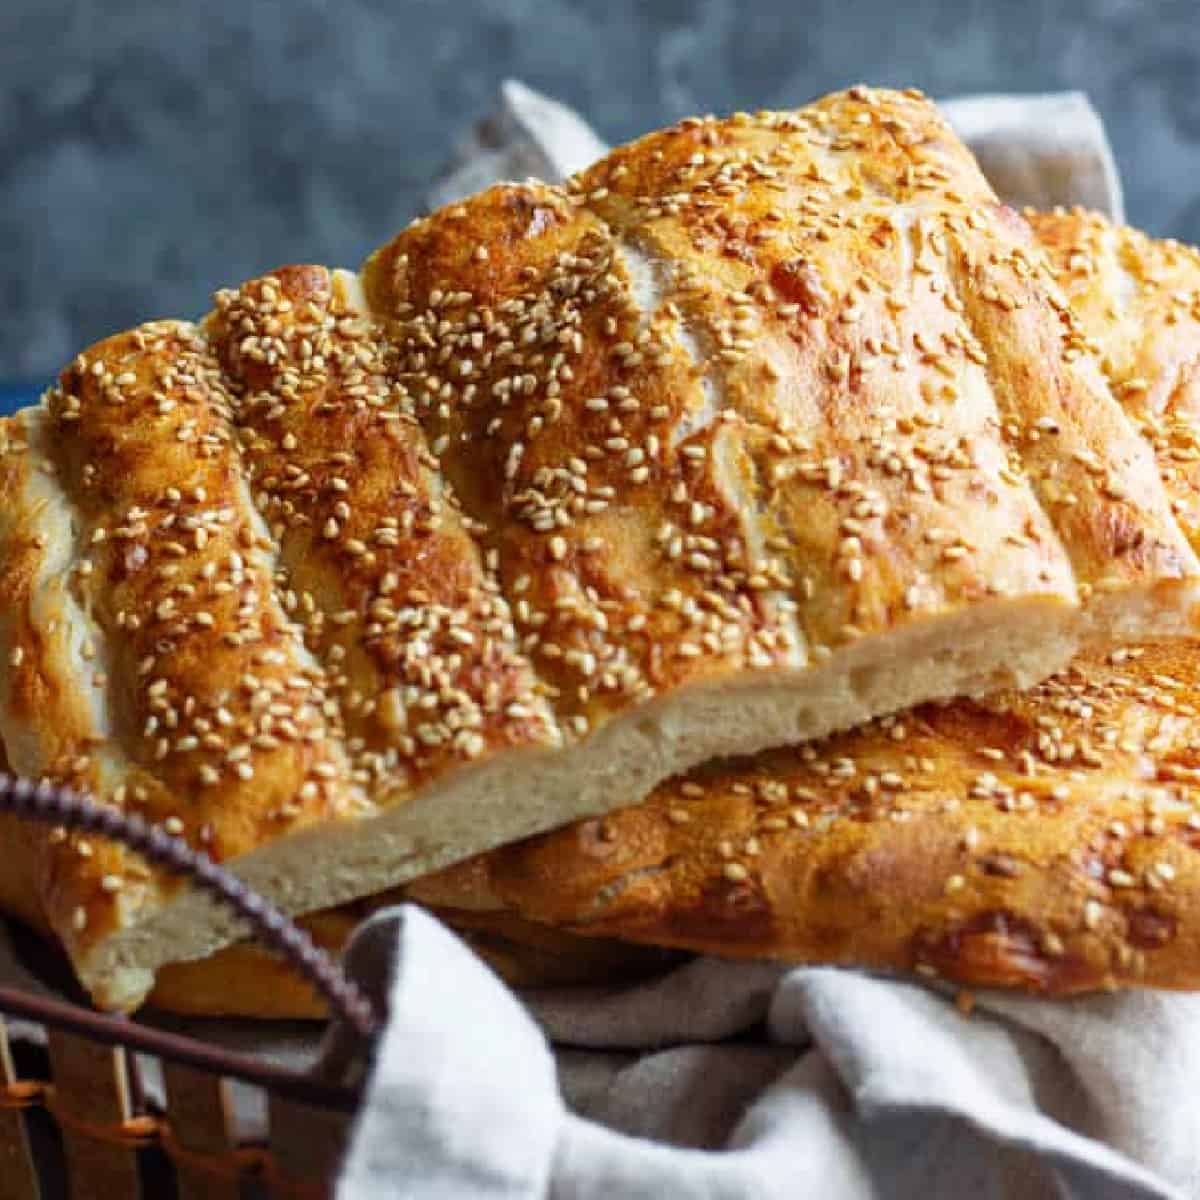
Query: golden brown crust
[1137, 303]
[748, 394]
[859, 242]
[1048, 840]
[376, 563]
[553, 402]
[206, 711]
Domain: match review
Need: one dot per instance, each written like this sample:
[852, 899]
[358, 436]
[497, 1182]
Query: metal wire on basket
[54, 805]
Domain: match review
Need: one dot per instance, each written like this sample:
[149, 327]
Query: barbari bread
[760, 428]
[1045, 841]
[1048, 840]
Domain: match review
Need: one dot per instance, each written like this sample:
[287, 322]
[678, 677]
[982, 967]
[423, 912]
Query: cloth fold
[802, 1081]
[1041, 151]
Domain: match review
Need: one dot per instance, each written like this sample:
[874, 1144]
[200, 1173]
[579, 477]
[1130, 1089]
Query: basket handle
[51, 804]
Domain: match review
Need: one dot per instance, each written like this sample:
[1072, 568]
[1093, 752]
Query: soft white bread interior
[759, 429]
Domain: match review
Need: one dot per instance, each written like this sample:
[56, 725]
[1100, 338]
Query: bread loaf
[1045, 841]
[759, 429]
[1048, 840]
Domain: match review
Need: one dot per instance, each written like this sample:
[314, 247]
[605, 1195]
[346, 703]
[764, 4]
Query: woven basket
[74, 1120]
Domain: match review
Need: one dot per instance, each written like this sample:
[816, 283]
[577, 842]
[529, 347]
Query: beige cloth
[1041, 151]
[754, 1082]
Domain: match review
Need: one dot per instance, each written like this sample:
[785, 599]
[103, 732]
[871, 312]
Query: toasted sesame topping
[518, 500]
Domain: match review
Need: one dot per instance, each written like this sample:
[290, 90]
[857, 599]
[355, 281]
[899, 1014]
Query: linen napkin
[748, 1081]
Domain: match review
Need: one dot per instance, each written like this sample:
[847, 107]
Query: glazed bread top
[759, 429]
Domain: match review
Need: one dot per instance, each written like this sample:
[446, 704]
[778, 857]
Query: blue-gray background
[151, 150]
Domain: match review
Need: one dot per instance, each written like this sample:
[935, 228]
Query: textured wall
[153, 149]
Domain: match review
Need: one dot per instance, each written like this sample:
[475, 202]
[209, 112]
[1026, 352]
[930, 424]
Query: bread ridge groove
[233, 746]
[804, 335]
[565, 565]
[280, 575]
[334, 732]
[1061, 452]
[33, 486]
[698, 342]
[390, 580]
[1143, 294]
[54, 649]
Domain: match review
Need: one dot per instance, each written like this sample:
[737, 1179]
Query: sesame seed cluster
[213, 694]
[551, 399]
[1136, 302]
[743, 394]
[378, 565]
[909, 382]
[885, 368]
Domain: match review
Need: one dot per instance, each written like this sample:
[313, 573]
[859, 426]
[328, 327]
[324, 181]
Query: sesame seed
[1052, 945]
